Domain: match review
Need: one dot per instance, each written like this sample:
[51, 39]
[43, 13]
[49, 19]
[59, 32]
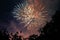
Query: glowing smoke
[32, 16]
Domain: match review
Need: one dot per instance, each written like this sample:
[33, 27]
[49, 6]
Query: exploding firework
[32, 15]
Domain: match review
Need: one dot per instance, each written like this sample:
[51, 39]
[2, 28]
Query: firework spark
[32, 14]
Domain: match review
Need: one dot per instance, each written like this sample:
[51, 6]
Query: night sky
[6, 7]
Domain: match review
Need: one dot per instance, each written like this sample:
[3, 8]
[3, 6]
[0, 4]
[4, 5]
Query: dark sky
[6, 6]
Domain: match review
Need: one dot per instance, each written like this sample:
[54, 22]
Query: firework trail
[32, 15]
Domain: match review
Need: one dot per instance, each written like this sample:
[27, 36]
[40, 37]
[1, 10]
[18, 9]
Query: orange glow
[34, 16]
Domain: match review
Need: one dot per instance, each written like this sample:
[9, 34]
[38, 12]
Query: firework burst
[33, 15]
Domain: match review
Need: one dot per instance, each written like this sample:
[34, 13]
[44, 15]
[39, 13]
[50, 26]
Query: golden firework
[34, 16]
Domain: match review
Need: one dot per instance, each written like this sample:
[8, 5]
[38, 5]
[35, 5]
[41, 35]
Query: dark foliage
[51, 31]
